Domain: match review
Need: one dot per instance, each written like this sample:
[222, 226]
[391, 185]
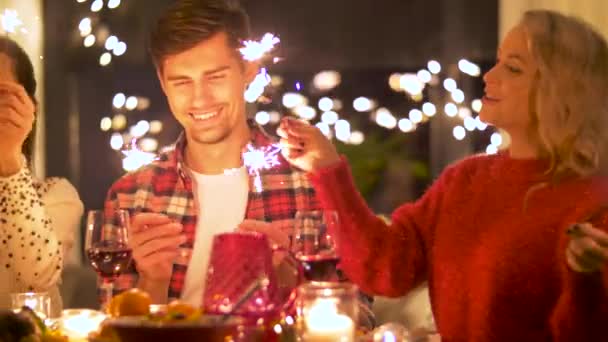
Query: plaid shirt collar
[259, 139]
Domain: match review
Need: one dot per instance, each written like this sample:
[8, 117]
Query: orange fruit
[53, 337]
[182, 309]
[112, 308]
[179, 307]
[133, 302]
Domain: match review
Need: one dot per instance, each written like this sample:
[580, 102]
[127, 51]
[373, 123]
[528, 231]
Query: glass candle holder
[326, 311]
[39, 302]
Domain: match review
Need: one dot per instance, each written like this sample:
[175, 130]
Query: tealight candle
[77, 324]
[327, 311]
[324, 323]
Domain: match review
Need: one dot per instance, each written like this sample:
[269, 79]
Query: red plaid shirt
[164, 187]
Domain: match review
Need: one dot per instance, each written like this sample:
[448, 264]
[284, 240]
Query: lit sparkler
[256, 88]
[10, 20]
[255, 50]
[136, 158]
[257, 159]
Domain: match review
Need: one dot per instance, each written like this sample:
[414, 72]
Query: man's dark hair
[187, 23]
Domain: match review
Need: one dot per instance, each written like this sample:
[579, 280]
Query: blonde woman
[514, 245]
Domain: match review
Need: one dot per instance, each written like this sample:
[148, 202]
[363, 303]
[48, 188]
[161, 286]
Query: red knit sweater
[496, 271]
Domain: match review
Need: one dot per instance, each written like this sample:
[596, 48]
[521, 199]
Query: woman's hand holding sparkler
[305, 146]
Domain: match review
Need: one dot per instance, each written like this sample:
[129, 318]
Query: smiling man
[200, 187]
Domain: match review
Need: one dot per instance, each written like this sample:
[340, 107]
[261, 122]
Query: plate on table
[206, 328]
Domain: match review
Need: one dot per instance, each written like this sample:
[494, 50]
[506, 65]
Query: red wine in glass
[109, 258]
[319, 267]
[106, 246]
[313, 245]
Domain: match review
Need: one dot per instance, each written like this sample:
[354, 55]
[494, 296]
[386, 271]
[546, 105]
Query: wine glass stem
[108, 286]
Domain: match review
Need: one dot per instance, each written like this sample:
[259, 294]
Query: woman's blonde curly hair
[569, 101]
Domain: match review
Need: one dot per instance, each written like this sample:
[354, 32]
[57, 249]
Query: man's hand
[155, 242]
[276, 232]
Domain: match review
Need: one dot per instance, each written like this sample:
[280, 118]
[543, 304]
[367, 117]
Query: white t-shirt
[222, 201]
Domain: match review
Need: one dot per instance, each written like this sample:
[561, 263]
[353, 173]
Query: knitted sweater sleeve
[581, 313]
[381, 259]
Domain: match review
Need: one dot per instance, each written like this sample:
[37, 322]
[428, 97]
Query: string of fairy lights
[136, 143]
[94, 33]
[138, 146]
[332, 118]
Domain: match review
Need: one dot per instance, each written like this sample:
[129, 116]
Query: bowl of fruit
[205, 328]
[133, 318]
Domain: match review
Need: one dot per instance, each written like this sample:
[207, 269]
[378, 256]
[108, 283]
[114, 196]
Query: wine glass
[106, 246]
[313, 245]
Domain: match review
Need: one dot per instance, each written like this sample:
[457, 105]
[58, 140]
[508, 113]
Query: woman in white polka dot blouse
[38, 219]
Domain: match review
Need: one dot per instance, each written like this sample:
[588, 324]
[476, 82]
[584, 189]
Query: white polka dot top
[38, 224]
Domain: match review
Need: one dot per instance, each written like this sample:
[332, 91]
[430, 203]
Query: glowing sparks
[255, 50]
[10, 20]
[256, 88]
[257, 159]
[136, 158]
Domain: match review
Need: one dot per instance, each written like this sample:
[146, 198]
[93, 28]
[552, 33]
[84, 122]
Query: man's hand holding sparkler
[155, 240]
[305, 146]
[277, 233]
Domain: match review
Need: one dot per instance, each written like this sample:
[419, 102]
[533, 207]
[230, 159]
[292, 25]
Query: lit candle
[78, 324]
[31, 303]
[325, 324]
